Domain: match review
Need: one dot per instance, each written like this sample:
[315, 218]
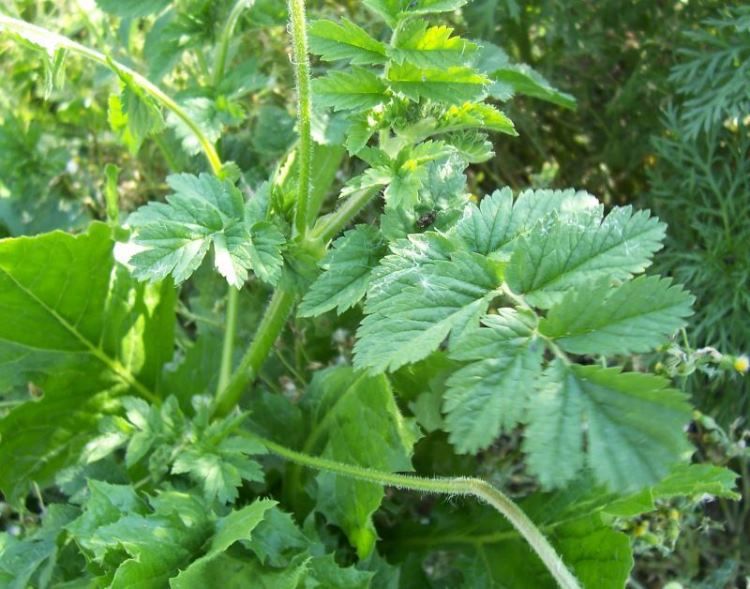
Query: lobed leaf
[431, 47]
[354, 89]
[450, 85]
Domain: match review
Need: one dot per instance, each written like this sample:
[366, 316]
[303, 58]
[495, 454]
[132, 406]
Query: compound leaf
[203, 211]
[634, 317]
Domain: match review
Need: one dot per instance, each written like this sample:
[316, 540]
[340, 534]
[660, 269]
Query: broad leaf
[450, 85]
[203, 211]
[431, 47]
[347, 273]
[76, 334]
[354, 89]
[333, 41]
[473, 115]
[568, 251]
[340, 401]
[634, 317]
[625, 450]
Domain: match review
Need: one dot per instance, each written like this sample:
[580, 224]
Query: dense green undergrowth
[287, 341]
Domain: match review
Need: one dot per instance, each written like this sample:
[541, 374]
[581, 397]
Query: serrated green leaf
[345, 40]
[695, 480]
[624, 450]
[498, 221]
[340, 401]
[238, 525]
[489, 396]
[354, 89]
[431, 47]
[569, 251]
[347, 269]
[78, 334]
[474, 115]
[525, 80]
[450, 85]
[203, 211]
[632, 318]
[132, 8]
[430, 300]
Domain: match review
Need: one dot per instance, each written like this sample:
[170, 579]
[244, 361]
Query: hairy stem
[226, 37]
[270, 327]
[52, 41]
[474, 487]
[304, 110]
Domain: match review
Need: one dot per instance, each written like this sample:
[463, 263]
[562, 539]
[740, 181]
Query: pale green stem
[304, 111]
[53, 41]
[331, 225]
[226, 37]
[230, 332]
[270, 327]
[474, 487]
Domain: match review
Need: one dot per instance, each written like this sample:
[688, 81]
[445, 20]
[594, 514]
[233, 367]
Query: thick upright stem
[478, 488]
[270, 327]
[304, 111]
[52, 41]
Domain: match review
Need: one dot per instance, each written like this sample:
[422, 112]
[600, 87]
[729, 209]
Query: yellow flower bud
[742, 364]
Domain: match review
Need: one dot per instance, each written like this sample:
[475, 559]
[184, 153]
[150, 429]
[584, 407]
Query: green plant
[513, 316]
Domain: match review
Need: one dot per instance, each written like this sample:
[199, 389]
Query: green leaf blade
[355, 89]
[634, 317]
[345, 40]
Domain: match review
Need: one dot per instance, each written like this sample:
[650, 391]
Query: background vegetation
[663, 110]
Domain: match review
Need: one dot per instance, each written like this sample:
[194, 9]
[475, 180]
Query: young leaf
[80, 332]
[564, 252]
[333, 41]
[340, 401]
[347, 273]
[488, 396]
[432, 47]
[624, 450]
[632, 318]
[202, 211]
[450, 85]
[410, 322]
[354, 89]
